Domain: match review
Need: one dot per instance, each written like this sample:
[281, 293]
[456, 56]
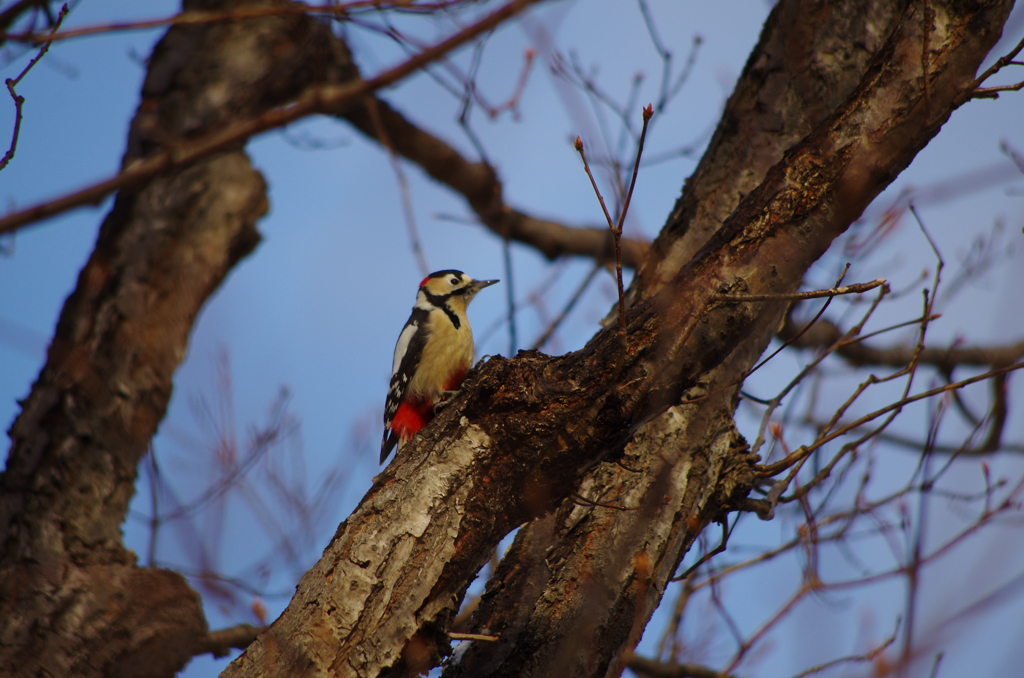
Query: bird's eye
[454, 281]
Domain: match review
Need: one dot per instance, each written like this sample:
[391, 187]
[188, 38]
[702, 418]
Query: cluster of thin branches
[828, 492]
[264, 473]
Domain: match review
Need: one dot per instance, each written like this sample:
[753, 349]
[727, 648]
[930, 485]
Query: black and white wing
[408, 351]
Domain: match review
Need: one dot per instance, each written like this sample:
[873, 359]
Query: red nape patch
[412, 415]
[424, 281]
[455, 381]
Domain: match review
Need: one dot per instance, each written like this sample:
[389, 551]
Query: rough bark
[524, 434]
[72, 600]
[789, 85]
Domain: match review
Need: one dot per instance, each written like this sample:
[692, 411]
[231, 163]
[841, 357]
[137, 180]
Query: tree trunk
[72, 600]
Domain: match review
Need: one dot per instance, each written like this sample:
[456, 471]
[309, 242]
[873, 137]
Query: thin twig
[992, 92]
[868, 656]
[194, 18]
[858, 288]
[613, 226]
[808, 326]
[722, 545]
[804, 451]
[578, 145]
[543, 339]
[617, 230]
[19, 101]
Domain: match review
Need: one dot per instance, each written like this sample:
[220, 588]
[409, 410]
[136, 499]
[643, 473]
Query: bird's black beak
[480, 284]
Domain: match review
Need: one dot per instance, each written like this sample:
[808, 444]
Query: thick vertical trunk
[72, 600]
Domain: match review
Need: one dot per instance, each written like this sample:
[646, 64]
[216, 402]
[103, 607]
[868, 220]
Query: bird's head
[452, 287]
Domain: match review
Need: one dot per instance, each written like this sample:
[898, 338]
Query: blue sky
[317, 307]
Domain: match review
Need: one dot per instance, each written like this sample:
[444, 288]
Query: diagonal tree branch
[824, 334]
[524, 433]
[782, 94]
[478, 183]
[316, 99]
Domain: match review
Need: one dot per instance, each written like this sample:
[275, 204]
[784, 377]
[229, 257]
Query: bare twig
[615, 226]
[858, 288]
[804, 451]
[617, 229]
[774, 403]
[578, 145]
[868, 656]
[19, 100]
[884, 291]
[909, 371]
[993, 92]
[980, 92]
[543, 339]
[722, 545]
[198, 17]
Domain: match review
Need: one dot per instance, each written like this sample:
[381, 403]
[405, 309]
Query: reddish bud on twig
[578, 144]
[648, 112]
[260, 610]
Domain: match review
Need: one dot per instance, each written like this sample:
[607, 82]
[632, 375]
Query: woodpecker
[432, 355]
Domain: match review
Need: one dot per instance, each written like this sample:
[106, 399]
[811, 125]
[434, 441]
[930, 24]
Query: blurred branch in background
[263, 474]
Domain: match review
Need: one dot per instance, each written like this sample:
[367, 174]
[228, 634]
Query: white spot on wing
[403, 345]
